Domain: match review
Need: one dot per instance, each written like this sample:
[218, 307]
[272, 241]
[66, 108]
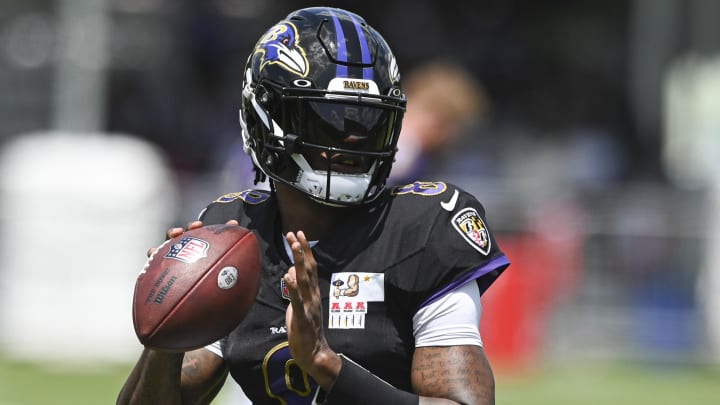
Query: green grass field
[595, 384]
[587, 384]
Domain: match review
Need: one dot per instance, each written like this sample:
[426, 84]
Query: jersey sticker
[252, 197]
[349, 295]
[472, 228]
[188, 250]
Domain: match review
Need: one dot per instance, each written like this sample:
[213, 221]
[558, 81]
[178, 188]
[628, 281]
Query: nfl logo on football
[188, 250]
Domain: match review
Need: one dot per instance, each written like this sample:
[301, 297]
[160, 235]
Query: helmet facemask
[335, 146]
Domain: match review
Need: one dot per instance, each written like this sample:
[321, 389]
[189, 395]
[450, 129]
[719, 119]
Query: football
[195, 288]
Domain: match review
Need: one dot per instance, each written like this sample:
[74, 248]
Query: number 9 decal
[285, 380]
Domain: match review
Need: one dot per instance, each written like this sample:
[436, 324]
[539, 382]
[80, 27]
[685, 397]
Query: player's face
[362, 128]
[334, 161]
[337, 135]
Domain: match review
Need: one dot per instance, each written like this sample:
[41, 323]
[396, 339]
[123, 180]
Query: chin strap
[343, 187]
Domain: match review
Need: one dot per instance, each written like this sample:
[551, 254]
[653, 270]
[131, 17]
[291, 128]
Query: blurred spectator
[444, 99]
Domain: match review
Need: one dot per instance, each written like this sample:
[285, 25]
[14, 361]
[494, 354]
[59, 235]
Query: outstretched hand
[303, 318]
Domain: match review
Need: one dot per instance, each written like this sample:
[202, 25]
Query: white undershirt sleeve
[215, 348]
[452, 320]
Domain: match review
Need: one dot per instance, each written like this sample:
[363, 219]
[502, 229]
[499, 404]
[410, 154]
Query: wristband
[357, 386]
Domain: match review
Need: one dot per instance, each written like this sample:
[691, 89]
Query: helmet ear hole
[264, 96]
[270, 158]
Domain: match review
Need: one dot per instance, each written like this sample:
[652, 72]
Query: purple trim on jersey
[341, 70]
[493, 264]
[364, 50]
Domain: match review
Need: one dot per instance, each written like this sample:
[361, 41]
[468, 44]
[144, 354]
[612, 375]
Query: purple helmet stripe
[364, 49]
[342, 70]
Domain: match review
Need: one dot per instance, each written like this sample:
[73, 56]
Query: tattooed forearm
[461, 373]
[199, 366]
[191, 371]
[203, 374]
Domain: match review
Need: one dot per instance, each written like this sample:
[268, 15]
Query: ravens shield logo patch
[472, 228]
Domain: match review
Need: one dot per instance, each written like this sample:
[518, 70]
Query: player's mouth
[346, 164]
[338, 162]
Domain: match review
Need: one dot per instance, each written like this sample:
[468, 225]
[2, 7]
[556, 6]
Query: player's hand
[177, 231]
[303, 318]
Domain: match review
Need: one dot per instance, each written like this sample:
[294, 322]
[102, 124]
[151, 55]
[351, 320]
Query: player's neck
[300, 213]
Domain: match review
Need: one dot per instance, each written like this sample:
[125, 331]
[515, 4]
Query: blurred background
[589, 130]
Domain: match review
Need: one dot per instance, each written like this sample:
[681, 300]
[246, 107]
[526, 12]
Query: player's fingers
[173, 232]
[299, 250]
[232, 222]
[308, 259]
[297, 253]
[151, 251]
[194, 225]
[291, 282]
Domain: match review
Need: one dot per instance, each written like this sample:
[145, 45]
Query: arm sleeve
[451, 320]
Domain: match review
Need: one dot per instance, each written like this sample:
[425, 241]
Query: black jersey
[386, 261]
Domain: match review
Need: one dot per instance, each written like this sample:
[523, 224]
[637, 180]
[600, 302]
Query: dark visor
[332, 123]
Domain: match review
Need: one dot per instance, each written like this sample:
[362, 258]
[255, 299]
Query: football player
[369, 295]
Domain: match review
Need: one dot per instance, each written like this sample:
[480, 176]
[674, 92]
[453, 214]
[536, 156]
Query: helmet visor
[348, 126]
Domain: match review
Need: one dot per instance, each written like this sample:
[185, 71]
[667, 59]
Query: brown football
[197, 287]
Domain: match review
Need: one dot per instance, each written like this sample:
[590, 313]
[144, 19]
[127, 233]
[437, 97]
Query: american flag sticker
[188, 249]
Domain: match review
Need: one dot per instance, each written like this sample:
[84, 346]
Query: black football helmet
[322, 106]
